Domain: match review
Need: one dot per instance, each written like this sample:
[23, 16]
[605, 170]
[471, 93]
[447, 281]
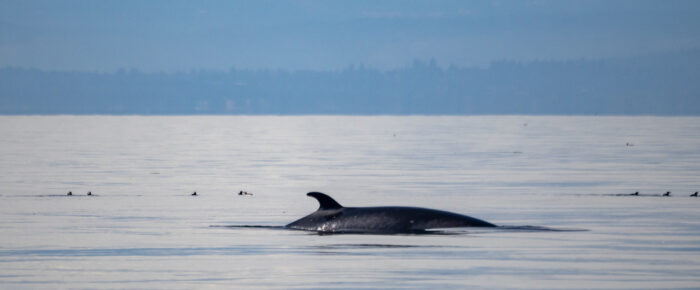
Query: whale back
[332, 217]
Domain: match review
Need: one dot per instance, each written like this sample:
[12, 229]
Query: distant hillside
[664, 84]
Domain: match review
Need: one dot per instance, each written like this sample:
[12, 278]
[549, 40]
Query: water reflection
[145, 231]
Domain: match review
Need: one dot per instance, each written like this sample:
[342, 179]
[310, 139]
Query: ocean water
[142, 229]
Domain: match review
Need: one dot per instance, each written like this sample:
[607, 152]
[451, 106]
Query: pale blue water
[143, 230]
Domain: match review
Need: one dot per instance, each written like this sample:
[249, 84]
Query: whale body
[334, 218]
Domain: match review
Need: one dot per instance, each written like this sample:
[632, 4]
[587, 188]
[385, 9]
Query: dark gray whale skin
[331, 217]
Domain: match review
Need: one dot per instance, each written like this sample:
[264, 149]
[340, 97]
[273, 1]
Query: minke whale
[331, 217]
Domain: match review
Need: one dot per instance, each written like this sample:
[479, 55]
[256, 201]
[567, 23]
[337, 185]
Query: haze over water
[488, 109]
[142, 229]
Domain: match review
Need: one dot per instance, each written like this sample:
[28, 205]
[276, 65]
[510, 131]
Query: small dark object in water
[635, 193]
[668, 193]
[694, 194]
[244, 193]
[89, 192]
[70, 193]
[240, 192]
[194, 193]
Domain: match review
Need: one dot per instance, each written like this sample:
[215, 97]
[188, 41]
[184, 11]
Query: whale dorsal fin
[325, 201]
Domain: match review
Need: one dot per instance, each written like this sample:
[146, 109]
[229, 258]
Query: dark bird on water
[635, 193]
[694, 194]
[194, 193]
[89, 192]
[668, 193]
[70, 193]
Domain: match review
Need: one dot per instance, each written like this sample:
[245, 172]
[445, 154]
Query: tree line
[661, 84]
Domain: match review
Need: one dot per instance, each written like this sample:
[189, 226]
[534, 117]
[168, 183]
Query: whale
[331, 217]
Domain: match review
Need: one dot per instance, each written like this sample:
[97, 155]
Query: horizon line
[431, 62]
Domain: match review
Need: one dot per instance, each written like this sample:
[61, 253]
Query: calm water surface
[142, 229]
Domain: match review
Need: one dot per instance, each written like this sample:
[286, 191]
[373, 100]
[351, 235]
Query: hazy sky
[184, 35]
